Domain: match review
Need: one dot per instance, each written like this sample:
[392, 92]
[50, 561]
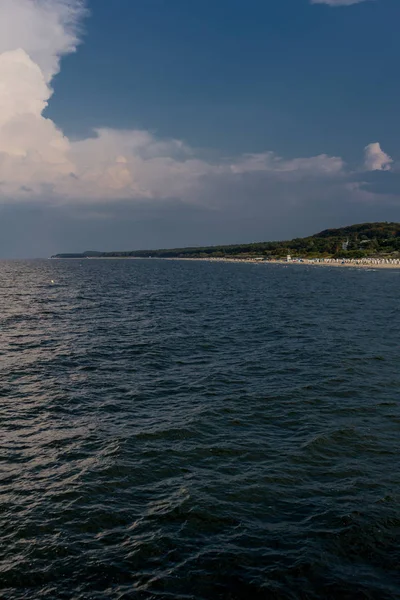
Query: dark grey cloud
[245, 207]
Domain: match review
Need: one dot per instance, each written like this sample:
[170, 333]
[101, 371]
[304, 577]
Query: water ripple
[198, 431]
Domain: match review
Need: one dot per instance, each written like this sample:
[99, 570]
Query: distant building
[345, 245]
[288, 258]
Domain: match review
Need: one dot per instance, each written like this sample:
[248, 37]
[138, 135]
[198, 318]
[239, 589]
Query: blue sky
[238, 76]
[179, 122]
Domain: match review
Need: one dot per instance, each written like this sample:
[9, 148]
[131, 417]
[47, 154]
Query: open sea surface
[199, 431]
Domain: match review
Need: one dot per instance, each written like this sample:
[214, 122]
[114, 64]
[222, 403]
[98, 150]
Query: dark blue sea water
[188, 430]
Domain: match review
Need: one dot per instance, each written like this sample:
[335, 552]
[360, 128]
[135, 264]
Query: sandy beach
[365, 263]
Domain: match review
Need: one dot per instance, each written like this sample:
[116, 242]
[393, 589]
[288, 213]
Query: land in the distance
[362, 244]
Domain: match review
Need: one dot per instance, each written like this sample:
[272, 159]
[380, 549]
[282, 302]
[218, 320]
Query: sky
[139, 124]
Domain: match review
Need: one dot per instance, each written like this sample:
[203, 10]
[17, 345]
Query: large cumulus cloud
[38, 160]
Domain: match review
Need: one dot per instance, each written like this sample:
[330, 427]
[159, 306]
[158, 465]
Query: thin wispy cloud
[338, 2]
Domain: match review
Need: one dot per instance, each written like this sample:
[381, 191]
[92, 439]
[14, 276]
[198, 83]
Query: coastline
[372, 263]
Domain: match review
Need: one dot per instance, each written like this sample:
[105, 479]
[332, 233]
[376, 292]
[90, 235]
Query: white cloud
[45, 29]
[37, 160]
[376, 159]
[35, 156]
[270, 162]
[337, 2]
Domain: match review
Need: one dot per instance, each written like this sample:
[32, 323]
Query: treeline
[355, 241]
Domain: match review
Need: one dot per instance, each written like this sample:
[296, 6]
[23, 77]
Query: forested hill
[354, 241]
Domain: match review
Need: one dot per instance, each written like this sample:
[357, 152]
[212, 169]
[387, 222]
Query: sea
[192, 430]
